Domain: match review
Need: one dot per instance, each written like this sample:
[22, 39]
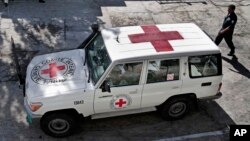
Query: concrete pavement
[64, 24]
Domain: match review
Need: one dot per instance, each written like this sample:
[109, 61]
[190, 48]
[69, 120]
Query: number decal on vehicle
[78, 102]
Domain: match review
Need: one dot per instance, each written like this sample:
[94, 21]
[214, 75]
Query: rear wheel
[58, 124]
[176, 108]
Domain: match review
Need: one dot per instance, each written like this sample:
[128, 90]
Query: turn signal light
[35, 106]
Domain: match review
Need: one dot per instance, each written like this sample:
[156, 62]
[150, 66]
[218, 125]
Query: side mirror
[95, 27]
[105, 87]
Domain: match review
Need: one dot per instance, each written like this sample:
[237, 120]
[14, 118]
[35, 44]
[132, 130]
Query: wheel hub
[177, 109]
[59, 126]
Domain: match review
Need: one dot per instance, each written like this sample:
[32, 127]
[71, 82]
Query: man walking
[227, 30]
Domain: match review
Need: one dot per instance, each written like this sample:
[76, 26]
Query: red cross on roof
[157, 38]
[120, 103]
[52, 70]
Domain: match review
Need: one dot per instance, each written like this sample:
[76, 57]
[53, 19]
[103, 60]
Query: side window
[125, 74]
[205, 65]
[163, 70]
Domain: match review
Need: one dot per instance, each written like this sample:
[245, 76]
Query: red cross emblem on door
[120, 102]
[156, 37]
[52, 70]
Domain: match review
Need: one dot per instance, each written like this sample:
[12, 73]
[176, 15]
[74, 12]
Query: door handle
[176, 87]
[206, 84]
[133, 92]
[105, 96]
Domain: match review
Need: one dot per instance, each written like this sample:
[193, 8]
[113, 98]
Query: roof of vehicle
[168, 40]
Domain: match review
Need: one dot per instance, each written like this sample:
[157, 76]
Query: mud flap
[29, 119]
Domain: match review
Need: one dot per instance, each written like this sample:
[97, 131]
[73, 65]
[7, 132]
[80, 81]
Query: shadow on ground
[239, 67]
[150, 126]
[147, 126]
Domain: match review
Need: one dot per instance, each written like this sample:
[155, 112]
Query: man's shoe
[230, 54]
[6, 4]
[41, 1]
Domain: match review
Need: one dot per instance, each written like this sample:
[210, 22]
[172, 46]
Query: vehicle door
[125, 88]
[204, 75]
[163, 80]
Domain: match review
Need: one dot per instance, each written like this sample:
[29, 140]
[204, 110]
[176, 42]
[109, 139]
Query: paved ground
[64, 24]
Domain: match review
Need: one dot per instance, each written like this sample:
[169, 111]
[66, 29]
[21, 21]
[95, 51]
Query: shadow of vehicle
[150, 126]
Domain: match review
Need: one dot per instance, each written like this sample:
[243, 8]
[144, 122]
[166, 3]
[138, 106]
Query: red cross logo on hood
[157, 38]
[52, 70]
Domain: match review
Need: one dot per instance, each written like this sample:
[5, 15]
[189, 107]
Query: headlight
[35, 106]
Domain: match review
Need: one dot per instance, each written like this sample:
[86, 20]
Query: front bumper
[30, 115]
[218, 95]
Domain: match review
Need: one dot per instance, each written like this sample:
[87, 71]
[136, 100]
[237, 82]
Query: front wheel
[58, 125]
[176, 108]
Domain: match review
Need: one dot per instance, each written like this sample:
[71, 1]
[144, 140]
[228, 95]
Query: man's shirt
[230, 21]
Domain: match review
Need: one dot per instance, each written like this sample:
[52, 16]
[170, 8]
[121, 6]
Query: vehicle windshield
[97, 58]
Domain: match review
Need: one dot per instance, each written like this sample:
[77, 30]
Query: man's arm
[225, 30]
[232, 24]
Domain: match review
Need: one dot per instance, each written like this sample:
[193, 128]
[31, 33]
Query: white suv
[120, 71]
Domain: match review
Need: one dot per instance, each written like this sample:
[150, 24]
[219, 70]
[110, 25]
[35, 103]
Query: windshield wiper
[85, 58]
[117, 39]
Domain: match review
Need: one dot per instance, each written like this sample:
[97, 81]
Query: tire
[58, 125]
[176, 108]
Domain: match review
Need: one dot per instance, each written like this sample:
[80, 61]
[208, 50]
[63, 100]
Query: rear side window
[163, 70]
[205, 65]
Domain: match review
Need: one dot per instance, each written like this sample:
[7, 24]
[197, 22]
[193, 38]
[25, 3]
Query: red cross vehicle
[120, 71]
